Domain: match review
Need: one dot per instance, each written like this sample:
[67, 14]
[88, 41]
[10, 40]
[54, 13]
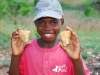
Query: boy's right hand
[17, 44]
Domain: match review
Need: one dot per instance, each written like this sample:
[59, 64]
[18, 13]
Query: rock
[93, 58]
[1, 55]
[89, 53]
[96, 73]
[97, 57]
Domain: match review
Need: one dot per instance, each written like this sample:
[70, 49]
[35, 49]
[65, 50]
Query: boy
[45, 56]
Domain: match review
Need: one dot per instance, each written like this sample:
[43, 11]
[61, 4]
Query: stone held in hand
[24, 35]
[65, 37]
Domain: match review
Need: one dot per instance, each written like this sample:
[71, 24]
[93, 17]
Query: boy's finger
[14, 33]
[15, 37]
[72, 32]
[18, 29]
[68, 28]
[73, 35]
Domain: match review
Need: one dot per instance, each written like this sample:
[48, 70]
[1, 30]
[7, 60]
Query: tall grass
[76, 20]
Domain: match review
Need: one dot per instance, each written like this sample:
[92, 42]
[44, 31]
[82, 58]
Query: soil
[92, 63]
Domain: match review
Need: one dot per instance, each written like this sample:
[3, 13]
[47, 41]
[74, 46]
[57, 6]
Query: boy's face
[48, 28]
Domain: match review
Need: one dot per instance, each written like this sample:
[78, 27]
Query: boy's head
[48, 19]
[48, 8]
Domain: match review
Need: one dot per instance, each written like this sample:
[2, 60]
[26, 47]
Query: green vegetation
[5, 63]
[24, 7]
[90, 11]
[14, 7]
[88, 7]
[5, 41]
[36, 34]
[97, 49]
[3, 9]
[89, 39]
[77, 6]
[85, 55]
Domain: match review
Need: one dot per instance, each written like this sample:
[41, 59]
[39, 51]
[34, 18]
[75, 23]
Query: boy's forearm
[14, 67]
[78, 67]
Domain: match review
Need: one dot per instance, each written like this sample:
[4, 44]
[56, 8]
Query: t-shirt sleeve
[85, 68]
[21, 67]
[22, 64]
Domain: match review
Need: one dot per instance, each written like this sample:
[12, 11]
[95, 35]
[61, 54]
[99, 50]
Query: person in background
[45, 55]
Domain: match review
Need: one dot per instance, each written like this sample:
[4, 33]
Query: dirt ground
[92, 63]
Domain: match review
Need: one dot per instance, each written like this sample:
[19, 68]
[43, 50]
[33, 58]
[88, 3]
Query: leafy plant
[85, 55]
[3, 9]
[5, 63]
[35, 2]
[90, 11]
[76, 6]
[97, 50]
[19, 7]
[5, 41]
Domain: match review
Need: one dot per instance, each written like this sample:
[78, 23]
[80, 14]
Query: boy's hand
[17, 44]
[73, 49]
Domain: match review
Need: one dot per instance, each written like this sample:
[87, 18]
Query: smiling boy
[44, 55]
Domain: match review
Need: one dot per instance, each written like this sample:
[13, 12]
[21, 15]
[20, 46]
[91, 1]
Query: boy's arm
[17, 46]
[73, 50]
[78, 67]
[14, 67]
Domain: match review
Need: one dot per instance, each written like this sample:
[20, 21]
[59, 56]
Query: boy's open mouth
[48, 35]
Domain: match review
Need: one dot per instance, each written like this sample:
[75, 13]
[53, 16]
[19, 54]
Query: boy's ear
[62, 21]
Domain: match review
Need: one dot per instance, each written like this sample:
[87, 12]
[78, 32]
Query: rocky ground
[93, 63]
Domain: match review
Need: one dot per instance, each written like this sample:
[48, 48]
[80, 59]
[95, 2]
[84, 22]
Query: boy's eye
[55, 22]
[40, 23]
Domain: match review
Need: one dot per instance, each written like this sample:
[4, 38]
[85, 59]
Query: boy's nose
[48, 27]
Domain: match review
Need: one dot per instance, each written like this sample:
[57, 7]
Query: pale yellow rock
[65, 37]
[24, 35]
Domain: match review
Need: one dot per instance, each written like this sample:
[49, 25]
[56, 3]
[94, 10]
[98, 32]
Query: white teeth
[48, 35]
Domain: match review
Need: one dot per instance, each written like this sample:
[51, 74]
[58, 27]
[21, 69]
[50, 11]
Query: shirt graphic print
[62, 68]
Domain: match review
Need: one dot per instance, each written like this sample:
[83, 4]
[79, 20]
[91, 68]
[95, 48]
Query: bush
[3, 8]
[90, 11]
[19, 7]
[25, 8]
[5, 63]
[35, 2]
[14, 7]
[97, 50]
[5, 41]
[85, 55]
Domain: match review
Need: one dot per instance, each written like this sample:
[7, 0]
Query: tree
[35, 2]
[19, 7]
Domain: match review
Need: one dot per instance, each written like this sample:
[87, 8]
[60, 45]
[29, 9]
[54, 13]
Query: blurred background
[83, 16]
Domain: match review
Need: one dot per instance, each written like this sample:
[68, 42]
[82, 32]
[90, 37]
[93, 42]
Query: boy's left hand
[73, 49]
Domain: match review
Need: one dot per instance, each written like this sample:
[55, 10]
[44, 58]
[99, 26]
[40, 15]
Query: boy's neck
[43, 44]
